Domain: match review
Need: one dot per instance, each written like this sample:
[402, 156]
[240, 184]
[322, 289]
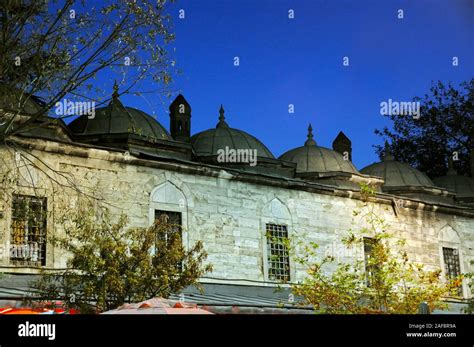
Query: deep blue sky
[299, 62]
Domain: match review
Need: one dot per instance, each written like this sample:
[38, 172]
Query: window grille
[277, 252]
[28, 231]
[452, 265]
[174, 221]
[369, 244]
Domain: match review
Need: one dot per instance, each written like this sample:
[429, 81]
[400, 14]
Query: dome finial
[222, 122]
[115, 94]
[387, 152]
[310, 141]
[451, 170]
[221, 113]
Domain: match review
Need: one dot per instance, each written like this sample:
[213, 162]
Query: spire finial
[387, 152]
[310, 141]
[221, 113]
[115, 94]
[222, 122]
[451, 170]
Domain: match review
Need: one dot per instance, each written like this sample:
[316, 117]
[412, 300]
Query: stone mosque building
[308, 192]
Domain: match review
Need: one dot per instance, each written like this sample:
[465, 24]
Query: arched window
[168, 202]
[450, 254]
[276, 222]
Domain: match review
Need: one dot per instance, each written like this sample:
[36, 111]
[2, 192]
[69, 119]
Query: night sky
[300, 61]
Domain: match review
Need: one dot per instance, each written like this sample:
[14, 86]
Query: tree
[384, 282]
[470, 302]
[110, 264]
[57, 51]
[444, 128]
[53, 49]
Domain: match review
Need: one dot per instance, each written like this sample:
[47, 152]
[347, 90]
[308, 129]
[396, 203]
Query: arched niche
[167, 196]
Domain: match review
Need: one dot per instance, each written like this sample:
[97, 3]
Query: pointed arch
[168, 193]
[275, 208]
[171, 195]
[449, 234]
[451, 253]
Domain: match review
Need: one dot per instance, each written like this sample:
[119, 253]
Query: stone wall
[229, 215]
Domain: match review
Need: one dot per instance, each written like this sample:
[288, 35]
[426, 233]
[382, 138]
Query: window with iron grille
[277, 252]
[174, 221]
[369, 244]
[28, 231]
[452, 265]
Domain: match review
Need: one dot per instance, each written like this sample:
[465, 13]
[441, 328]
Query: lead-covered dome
[397, 174]
[463, 186]
[312, 158]
[207, 143]
[116, 119]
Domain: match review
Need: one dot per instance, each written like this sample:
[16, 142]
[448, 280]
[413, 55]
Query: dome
[397, 174]
[118, 119]
[313, 158]
[463, 186]
[208, 142]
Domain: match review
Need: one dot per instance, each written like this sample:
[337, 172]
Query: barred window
[277, 252]
[173, 219]
[28, 231]
[369, 244]
[452, 265]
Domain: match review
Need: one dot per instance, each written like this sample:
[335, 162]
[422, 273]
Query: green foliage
[445, 125]
[111, 264]
[53, 50]
[366, 191]
[385, 282]
[470, 302]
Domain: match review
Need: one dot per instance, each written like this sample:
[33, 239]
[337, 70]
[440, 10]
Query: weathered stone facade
[228, 210]
[310, 191]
